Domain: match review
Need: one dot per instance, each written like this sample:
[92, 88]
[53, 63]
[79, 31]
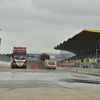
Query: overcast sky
[40, 25]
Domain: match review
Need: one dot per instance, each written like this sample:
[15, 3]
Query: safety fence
[80, 65]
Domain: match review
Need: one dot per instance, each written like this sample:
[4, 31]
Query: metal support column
[96, 47]
[86, 48]
[99, 42]
[93, 47]
[90, 47]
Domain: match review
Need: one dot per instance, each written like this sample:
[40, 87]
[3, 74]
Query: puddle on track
[80, 81]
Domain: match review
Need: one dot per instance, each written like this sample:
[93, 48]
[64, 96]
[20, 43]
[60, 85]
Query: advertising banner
[86, 60]
[92, 60]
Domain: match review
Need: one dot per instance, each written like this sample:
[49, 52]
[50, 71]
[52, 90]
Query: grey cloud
[72, 7]
[42, 24]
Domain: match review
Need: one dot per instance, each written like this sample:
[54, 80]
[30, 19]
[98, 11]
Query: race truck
[50, 64]
[19, 58]
[42, 59]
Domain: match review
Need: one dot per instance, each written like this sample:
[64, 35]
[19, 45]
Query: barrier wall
[4, 64]
[91, 71]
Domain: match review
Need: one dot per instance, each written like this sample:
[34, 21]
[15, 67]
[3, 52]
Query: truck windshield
[43, 57]
[51, 63]
[19, 55]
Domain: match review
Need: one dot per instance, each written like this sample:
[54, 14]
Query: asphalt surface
[44, 78]
[42, 84]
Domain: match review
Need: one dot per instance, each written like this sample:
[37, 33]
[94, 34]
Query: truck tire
[24, 67]
[12, 66]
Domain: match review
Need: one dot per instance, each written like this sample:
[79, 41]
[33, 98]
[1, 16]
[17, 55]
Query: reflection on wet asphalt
[48, 79]
[29, 78]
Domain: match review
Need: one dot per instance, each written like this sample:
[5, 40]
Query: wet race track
[48, 79]
[44, 82]
[22, 78]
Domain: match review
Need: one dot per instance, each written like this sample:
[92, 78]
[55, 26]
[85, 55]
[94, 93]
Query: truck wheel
[12, 66]
[24, 67]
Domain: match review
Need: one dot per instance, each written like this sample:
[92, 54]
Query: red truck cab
[19, 58]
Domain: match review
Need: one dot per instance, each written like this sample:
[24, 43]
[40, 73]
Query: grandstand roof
[86, 41]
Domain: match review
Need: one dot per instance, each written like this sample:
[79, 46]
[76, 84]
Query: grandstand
[86, 46]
